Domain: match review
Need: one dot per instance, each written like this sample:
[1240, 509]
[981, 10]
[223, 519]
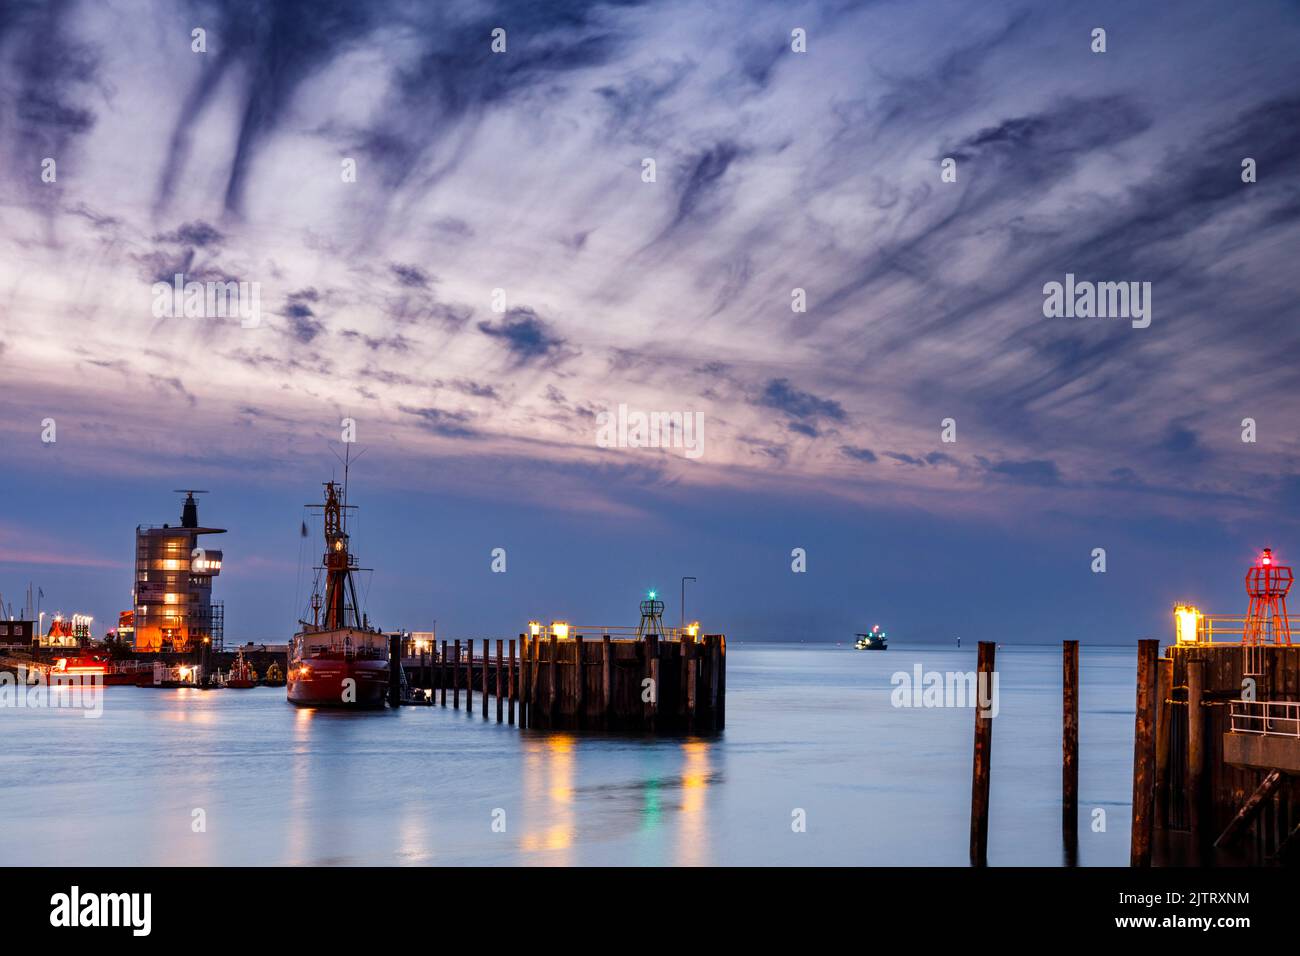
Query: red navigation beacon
[1267, 583]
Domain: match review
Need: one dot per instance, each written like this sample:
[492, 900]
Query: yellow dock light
[693, 629]
[560, 629]
[534, 628]
[1187, 623]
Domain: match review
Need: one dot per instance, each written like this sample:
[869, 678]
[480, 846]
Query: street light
[684, 580]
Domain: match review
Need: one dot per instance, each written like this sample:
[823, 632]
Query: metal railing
[1221, 627]
[1273, 718]
[590, 631]
[1226, 629]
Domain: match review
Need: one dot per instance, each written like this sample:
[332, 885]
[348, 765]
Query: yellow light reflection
[549, 769]
[692, 842]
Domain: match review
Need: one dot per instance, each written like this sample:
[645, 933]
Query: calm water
[808, 727]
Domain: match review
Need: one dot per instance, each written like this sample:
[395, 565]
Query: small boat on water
[241, 676]
[873, 640]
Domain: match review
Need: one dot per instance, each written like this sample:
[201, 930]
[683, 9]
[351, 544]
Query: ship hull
[323, 682]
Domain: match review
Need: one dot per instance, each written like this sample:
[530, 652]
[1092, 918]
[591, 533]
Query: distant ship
[337, 659]
[875, 640]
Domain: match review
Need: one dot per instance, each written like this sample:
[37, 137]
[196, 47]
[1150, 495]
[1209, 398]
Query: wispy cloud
[819, 171]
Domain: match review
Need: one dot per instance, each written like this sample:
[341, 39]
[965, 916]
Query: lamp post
[684, 580]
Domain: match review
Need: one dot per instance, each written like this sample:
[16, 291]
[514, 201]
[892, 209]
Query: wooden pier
[654, 684]
[1225, 753]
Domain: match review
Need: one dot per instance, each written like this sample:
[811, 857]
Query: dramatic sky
[523, 171]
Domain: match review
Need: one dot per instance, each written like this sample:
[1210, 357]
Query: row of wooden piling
[1239, 798]
[981, 776]
[649, 684]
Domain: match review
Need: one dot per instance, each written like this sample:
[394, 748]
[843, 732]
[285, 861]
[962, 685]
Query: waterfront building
[174, 610]
[17, 632]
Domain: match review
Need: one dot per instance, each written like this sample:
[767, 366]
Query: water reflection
[296, 832]
[693, 848]
[284, 785]
[549, 770]
[562, 814]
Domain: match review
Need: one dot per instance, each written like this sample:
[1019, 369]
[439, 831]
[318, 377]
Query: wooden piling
[469, 677]
[580, 679]
[606, 680]
[421, 678]
[455, 675]
[720, 721]
[1164, 713]
[1070, 743]
[522, 689]
[501, 697]
[552, 691]
[523, 680]
[514, 687]
[1195, 749]
[715, 678]
[534, 679]
[486, 654]
[689, 648]
[1144, 754]
[979, 801]
[651, 672]
[442, 674]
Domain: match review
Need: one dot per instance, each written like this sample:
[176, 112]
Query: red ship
[95, 665]
[337, 659]
[241, 673]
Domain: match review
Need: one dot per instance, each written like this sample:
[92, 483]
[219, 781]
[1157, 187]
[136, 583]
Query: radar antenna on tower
[190, 510]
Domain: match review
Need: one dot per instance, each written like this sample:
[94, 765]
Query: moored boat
[337, 659]
[241, 676]
[101, 666]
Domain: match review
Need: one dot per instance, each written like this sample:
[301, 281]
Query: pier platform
[1228, 752]
[657, 684]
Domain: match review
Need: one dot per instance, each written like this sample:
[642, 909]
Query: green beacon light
[651, 595]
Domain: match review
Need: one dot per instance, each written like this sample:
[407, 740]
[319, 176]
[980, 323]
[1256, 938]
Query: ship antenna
[346, 459]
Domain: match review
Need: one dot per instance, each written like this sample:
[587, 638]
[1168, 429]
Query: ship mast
[340, 589]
